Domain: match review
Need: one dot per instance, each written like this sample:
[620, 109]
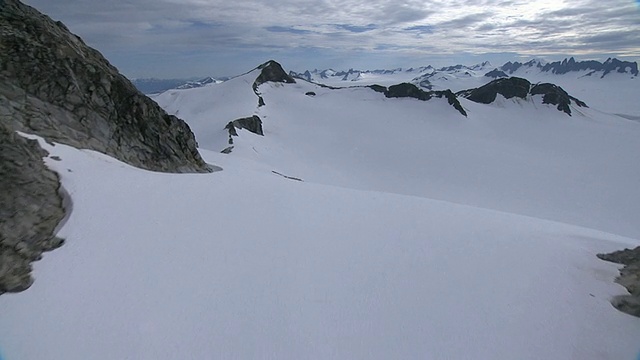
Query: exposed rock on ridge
[272, 71]
[53, 85]
[629, 278]
[522, 88]
[252, 123]
[412, 91]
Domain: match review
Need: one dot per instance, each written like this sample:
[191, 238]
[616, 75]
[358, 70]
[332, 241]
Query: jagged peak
[272, 71]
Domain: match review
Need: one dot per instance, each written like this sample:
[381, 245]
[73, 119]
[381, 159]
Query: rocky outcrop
[629, 278]
[509, 88]
[53, 85]
[412, 91]
[32, 207]
[555, 95]
[252, 123]
[272, 71]
[522, 88]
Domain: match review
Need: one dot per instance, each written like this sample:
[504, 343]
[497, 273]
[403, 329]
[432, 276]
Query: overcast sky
[184, 38]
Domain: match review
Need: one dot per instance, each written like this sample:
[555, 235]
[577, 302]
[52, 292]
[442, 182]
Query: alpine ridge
[54, 86]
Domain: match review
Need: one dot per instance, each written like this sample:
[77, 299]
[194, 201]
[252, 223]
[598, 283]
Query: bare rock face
[53, 85]
[509, 88]
[629, 278]
[251, 123]
[522, 88]
[555, 95]
[32, 207]
[272, 71]
[412, 91]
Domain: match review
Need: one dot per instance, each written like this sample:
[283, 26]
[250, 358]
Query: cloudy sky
[184, 38]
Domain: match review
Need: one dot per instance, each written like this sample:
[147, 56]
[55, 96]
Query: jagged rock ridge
[522, 88]
[272, 71]
[569, 65]
[412, 91]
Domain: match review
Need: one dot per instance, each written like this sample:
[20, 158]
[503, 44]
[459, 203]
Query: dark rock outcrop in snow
[32, 207]
[522, 88]
[53, 85]
[272, 71]
[629, 278]
[412, 91]
[509, 88]
[555, 95]
[252, 123]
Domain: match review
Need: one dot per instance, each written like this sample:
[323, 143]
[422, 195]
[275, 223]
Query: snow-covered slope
[213, 106]
[514, 155]
[415, 232]
[246, 264]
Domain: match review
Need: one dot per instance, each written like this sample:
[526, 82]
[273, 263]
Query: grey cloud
[465, 21]
[421, 29]
[197, 26]
[288, 29]
[356, 28]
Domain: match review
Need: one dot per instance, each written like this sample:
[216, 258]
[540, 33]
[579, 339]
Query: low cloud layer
[142, 35]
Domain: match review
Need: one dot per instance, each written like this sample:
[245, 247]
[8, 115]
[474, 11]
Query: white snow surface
[417, 233]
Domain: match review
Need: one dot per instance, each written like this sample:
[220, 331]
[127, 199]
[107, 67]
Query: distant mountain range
[427, 77]
[154, 86]
[571, 65]
[424, 76]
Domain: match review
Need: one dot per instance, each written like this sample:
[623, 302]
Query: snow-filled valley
[414, 233]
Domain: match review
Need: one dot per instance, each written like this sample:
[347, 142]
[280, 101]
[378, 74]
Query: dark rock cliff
[522, 88]
[412, 91]
[32, 207]
[272, 71]
[54, 86]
